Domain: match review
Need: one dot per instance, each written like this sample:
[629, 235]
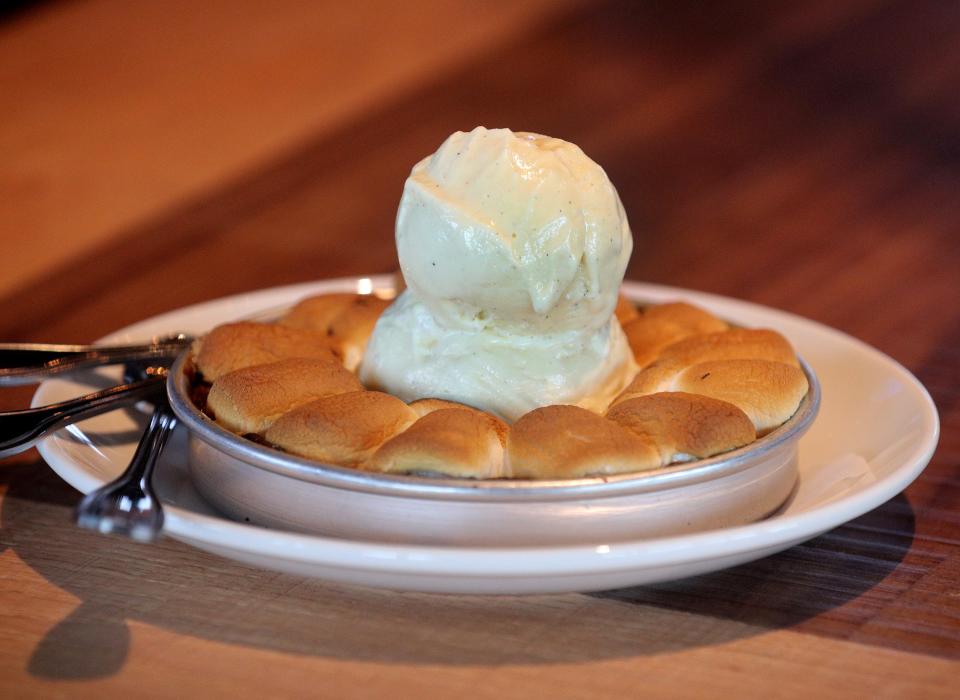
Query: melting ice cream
[513, 247]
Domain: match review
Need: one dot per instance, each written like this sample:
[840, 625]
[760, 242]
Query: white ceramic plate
[876, 432]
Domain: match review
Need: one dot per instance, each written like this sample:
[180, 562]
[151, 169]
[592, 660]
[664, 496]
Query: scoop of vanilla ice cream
[513, 247]
[413, 356]
[517, 231]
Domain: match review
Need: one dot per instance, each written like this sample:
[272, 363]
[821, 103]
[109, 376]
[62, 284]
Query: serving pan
[257, 484]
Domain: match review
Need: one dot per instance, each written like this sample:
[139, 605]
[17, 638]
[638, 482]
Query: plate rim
[518, 562]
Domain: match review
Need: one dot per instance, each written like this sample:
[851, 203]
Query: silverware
[27, 363]
[128, 505]
[19, 430]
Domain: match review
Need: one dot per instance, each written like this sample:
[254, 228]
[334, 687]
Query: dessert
[234, 346]
[768, 392]
[513, 247]
[625, 310]
[754, 369]
[510, 354]
[343, 428]
[660, 326]
[347, 321]
[250, 399]
[458, 441]
[424, 406]
[703, 395]
[567, 442]
[685, 426]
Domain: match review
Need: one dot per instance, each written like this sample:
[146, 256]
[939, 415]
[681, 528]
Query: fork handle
[161, 425]
[19, 430]
[27, 363]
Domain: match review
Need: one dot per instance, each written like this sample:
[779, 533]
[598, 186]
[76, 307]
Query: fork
[128, 505]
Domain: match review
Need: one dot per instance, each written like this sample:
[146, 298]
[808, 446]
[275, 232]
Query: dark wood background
[804, 156]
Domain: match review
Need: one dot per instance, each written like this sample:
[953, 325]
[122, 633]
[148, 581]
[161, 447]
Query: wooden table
[806, 157]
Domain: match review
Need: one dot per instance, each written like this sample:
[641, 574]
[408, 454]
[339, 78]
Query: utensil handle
[28, 363]
[162, 423]
[19, 430]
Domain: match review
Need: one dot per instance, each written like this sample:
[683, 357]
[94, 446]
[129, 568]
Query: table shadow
[175, 587]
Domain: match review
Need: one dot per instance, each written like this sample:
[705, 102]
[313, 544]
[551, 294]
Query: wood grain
[804, 156]
[118, 111]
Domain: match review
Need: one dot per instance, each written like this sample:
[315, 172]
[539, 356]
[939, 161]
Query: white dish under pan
[876, 431]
